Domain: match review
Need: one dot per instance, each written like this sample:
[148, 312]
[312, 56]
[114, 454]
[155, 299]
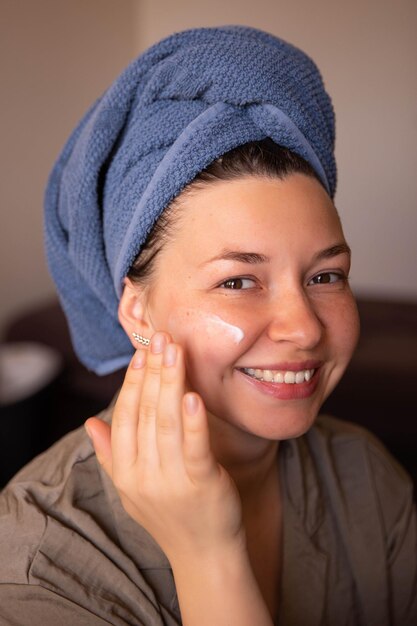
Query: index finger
[126, 414]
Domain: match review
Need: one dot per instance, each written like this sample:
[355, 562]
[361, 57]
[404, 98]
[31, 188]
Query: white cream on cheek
[208, 324]
[234, 332]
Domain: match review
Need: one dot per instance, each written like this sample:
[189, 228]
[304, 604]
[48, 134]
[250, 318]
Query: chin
[275, 425]
[283, 431]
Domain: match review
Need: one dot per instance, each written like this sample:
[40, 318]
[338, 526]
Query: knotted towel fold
[176, 108]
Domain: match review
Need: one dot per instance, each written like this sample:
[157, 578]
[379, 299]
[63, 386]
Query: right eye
[238, 283]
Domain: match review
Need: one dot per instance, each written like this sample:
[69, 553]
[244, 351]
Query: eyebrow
[328, 253]
[242, 257]
[255, 258]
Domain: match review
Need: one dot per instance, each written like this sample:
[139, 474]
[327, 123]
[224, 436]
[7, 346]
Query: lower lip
[285, 391]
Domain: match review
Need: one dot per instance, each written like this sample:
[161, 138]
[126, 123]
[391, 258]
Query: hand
[158, 455]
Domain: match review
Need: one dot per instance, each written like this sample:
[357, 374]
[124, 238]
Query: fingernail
[87, 430]
[170, 355]
[158, 342]
[191, 403]
[138, 360]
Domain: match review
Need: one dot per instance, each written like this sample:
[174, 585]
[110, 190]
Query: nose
[294, 320]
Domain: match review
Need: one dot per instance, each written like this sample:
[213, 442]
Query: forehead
[268, 211]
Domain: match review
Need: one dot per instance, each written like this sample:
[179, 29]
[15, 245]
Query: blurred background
[57, 57]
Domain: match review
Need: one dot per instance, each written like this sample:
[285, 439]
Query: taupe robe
[69, 554]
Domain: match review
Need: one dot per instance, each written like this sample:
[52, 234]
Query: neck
[250, 460]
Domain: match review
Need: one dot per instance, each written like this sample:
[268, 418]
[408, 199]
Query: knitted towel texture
[176, 108]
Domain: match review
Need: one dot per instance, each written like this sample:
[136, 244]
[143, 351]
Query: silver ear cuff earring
[141, 339]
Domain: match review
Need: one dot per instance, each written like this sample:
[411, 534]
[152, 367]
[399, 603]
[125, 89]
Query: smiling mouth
[287, 377]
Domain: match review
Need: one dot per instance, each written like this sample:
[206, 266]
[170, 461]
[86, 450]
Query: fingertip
[198, 458]
[170, 355]
[191, 403]
[87, 429]
[194, 416]
[99, 434]
[89, 426]
[159, 341]
[139, 359]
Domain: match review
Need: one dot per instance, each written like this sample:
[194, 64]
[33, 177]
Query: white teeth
[299, 377]
[268, 375]
[288, 377]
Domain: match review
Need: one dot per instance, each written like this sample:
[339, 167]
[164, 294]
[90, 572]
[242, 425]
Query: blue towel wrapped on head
[174, 110]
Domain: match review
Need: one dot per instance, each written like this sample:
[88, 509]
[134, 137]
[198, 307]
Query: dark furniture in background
[379, 390]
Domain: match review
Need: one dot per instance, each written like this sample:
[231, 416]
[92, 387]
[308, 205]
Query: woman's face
[254, 286]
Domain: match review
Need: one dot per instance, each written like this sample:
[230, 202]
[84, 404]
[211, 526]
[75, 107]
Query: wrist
[219, 587]
[185, 557]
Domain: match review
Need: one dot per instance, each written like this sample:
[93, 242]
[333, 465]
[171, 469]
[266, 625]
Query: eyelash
[340, 277]
[337, 277]
[235, 280]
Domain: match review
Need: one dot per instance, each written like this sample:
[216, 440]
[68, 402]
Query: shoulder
[356, 464]
[58, 499]
[371, 501]
[346, 441]
[47, 487]
[29, 605]
[68, 547]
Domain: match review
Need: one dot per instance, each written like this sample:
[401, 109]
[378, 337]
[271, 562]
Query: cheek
[203, 327]
[205, 336]
[345, 327]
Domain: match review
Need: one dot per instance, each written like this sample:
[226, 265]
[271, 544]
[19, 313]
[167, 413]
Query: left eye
[238, 283]
[326, 278]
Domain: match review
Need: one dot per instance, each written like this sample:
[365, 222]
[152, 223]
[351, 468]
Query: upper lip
[287, 366]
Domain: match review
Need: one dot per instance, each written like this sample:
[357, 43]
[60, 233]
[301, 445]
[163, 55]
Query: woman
[190, 216]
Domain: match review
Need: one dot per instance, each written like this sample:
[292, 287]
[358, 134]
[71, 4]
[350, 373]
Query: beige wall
[367, 51]
[56, 56]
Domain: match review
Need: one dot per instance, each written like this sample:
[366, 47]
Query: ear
[132, 308]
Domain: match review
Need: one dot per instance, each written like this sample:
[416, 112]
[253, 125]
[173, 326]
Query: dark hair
[257, 158]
